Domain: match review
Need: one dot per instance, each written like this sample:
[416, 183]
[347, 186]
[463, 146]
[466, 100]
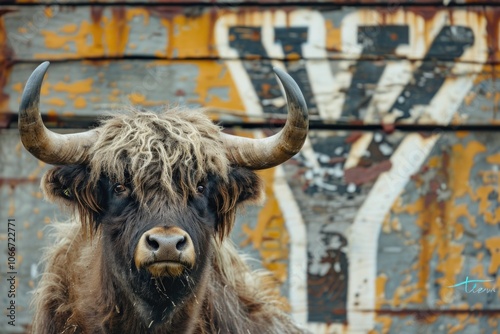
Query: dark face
[157, 255]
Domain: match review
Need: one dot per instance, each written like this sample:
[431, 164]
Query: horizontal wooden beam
[286, 32]
[345, 92]
[256, 2]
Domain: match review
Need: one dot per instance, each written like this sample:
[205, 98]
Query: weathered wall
[393, 199]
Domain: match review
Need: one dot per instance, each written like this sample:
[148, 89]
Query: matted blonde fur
[158, 148]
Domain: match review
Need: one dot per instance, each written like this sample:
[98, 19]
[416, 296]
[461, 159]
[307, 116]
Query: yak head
[157, 191]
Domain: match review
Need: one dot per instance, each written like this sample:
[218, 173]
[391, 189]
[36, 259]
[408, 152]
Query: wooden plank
[345, 92]
[261, 2]
[410, 259]
[419, 32]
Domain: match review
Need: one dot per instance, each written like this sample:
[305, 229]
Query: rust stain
[6, 55]
[360, 175]
[14, 182]
[116, 32]
[493, 33]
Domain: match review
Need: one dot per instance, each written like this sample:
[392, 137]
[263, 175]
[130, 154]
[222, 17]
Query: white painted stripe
[288, 206]
[240, 76]
[297, 270]
[363, 237]
[406, 161]
[327, 87]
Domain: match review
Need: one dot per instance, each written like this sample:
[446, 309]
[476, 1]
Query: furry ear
[59, 182]
[243, 186]
[70, 185]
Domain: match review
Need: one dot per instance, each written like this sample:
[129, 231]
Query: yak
[152, 199]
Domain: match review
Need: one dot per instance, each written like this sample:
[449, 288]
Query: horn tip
[43, 66]
[292, 90]
[32, 88]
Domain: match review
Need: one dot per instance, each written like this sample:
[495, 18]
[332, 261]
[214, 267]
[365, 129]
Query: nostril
[181, 244]
[152, 243]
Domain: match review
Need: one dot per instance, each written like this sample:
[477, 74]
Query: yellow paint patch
[69, 28]
[55, 101]
[333, 37]
[80, 103]
[48, 11]
[386, 322]
[45, 90]
[494, 159]
[440, 220]
[137, 98]
[133, 12]
[18, 87]
[380, 290]
[216, 75]
[104, 35]
[77, 87]
[191, 36]
[386, 225]
[116, 32]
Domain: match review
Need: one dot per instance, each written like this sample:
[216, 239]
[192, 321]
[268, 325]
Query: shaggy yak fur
[147, 170]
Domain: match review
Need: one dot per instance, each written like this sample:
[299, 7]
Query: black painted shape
[451, 43]
[331, 152]
[291, 40]
[382, 40]
[327, 294]
[248, 42]
[377, 41]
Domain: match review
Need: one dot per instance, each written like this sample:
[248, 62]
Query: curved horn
[272, 151]
[48, 146]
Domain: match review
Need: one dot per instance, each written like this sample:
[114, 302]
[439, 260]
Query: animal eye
[119, 188]
[67, 193]
[200, 188]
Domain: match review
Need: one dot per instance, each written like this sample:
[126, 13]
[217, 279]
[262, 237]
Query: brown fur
[163, 157]
[236, 299]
